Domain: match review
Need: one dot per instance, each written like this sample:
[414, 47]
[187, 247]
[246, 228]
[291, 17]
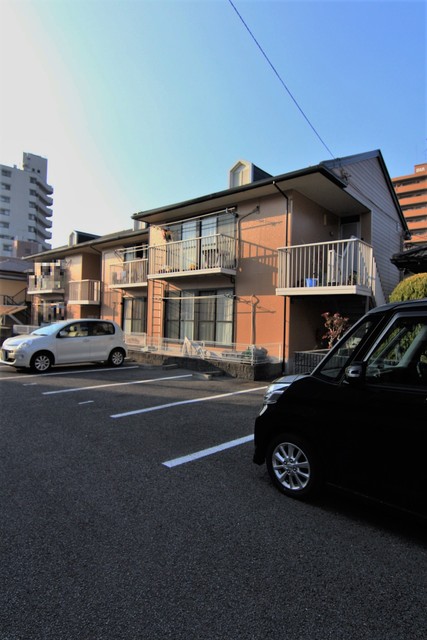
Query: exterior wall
[366, 182]
[259, 312]
[111, 301]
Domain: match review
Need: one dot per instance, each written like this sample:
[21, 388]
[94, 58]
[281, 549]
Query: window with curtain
[200, 315]
[135, 315]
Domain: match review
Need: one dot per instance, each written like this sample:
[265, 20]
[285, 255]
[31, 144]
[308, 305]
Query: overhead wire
[281, 79]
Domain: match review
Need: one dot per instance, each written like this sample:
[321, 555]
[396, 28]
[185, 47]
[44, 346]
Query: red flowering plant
[336, 325]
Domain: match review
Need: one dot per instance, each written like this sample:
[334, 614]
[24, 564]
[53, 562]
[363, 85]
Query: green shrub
[411, 288]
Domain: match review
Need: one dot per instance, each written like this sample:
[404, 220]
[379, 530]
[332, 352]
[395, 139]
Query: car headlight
[274, 392]
[24, 345]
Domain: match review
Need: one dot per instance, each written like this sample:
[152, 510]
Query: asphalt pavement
[101, 539]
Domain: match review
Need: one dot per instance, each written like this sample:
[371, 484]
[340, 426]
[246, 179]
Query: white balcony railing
[131, 273]
[215, 253]
[340, 264]
[84, 292]
[45, 284]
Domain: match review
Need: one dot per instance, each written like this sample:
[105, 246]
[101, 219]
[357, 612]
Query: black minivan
[359, 419]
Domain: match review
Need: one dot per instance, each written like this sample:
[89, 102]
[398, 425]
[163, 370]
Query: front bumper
[13, 358]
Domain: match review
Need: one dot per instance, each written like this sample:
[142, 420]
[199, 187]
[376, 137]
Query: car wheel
[116, 358]
[41, 362]
[293, 466]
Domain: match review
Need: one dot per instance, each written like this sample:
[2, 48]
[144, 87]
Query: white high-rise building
[25, 213]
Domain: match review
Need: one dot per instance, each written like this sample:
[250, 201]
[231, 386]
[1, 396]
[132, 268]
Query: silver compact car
[68, 342]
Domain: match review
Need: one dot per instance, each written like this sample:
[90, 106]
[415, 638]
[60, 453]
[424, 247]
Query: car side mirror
[355, 373]
[63, 334]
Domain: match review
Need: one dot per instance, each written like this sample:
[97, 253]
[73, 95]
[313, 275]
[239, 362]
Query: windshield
[333, 365]
[48, 330]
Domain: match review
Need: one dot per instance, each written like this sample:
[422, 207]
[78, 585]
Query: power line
[280, 79]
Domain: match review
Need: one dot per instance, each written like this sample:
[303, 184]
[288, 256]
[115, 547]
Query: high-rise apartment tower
[411, 191]
[25, 213]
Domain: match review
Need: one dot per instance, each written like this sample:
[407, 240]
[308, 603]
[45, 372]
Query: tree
[411, 288]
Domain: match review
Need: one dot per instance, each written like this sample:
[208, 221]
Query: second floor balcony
[129, 273]
[343, 266]
[46, 284]
[193, 256]
[84, 292]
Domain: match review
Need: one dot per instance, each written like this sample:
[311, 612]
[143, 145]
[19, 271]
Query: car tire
[41, 362]
[294, 466]
[116, 358]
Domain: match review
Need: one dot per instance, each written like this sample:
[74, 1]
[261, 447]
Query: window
[4, 199]
[4, 225]
[135, 315]
[6, 173]
[5, 186]
[204, 315]
[5, 212]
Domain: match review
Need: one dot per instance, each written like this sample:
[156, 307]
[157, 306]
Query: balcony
[128, 274]
[84, 292]
[340, 267]
[39, 285]
[195, 256]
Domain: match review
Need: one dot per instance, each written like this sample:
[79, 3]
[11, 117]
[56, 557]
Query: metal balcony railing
[215, 253]
[129, 274]
[84, 292]
[339, 264]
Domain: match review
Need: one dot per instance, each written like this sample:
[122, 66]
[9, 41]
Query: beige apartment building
[239, 275]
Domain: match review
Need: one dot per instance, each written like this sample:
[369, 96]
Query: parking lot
[131, 509]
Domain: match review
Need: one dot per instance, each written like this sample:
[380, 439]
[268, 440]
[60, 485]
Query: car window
[75, 330]
[400, 357]
[332, 367]
[102, 329]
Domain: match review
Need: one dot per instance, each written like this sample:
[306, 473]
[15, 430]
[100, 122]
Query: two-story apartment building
[246, 273]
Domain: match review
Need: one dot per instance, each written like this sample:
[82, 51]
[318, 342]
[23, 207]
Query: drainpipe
[285, 298]
[253, 304]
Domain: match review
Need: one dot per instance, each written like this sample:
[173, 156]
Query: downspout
[285, 298]
[253, 305]
[101, 282]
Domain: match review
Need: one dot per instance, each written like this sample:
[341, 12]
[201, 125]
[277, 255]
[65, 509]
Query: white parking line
[176, 404]
[115, 384]
[207, 452]
[64, 373]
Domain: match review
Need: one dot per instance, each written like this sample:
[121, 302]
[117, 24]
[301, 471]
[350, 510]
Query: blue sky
[141, 103]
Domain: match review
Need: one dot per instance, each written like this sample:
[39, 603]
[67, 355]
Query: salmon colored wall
[91, 267]
[74, 268]
[260, 319]
[111, 301]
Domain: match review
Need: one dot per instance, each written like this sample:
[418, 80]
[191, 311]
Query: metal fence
[237, 352]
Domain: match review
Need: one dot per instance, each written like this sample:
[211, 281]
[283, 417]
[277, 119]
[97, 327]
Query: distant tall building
[411, 191]
[25, 213]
